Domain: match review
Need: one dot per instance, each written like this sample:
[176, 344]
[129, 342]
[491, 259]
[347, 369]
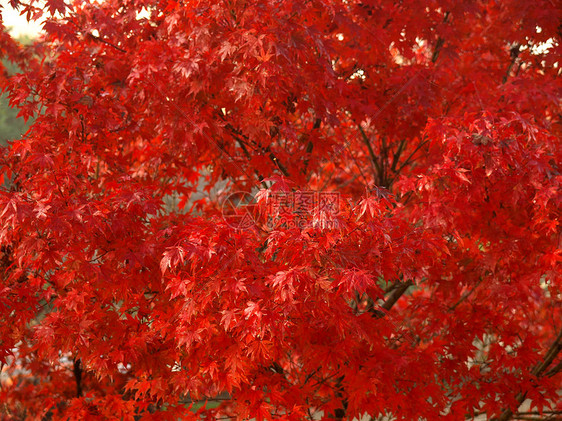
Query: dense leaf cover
[419, 275]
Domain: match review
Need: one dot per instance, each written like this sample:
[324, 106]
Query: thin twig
[440, 42]
[465, 296]
[99, 39]
[371, 152]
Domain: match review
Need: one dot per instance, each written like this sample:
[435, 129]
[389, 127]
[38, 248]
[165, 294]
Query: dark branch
[438, 46]
[538, 371]
[396, 156]
[77, 369]
[396, 291]
[440, 42]
[465, 296]
[276, 162]
[99, 39]
[514, 53]
[396, 294]
[550, 356]
[239, 136]
[310, 145]
[371, 151]
[245, 150]
[409, 159]
[554, 370]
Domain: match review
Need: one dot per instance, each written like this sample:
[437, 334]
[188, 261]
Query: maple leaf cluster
[289, 210]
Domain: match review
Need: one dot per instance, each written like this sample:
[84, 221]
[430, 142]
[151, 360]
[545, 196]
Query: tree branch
[310, 145]
[465, 296]
[408, 160]
[438, 46]
[371, 151]
[514, 53]
[238, 135]
[77, 370]
[554, 370]
[553, 351]
[245, 150]
[538, 371]
[397, 155]
[396, 292]
[440, 42]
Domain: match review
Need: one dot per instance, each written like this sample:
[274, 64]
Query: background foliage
[167, 238]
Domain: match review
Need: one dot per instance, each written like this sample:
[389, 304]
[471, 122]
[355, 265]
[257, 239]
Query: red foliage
[283, 210]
